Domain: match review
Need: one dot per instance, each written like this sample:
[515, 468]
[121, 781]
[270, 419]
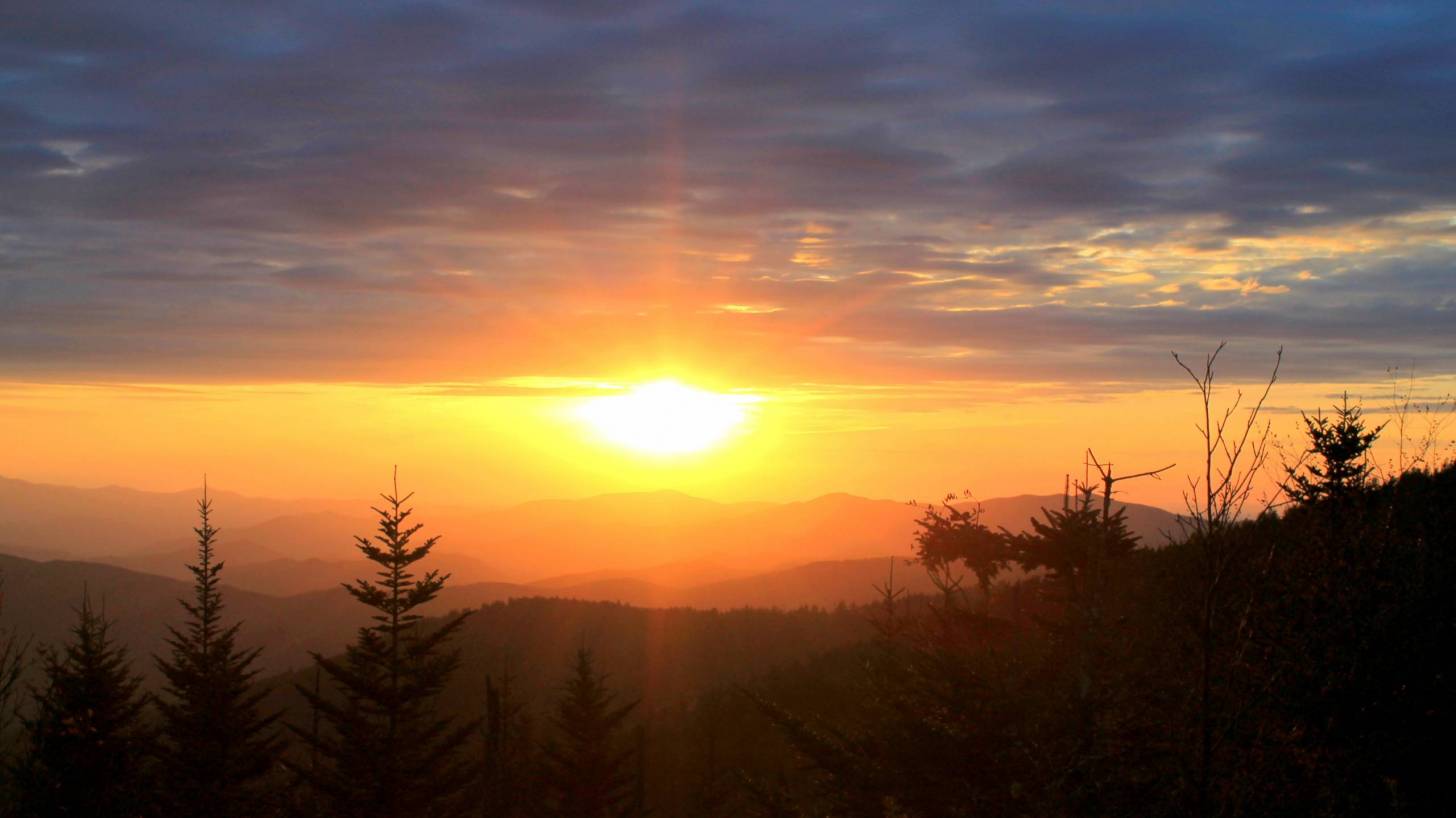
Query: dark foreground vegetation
[1290, 663]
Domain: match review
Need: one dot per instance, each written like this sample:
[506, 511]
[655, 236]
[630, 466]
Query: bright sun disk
[665, 417]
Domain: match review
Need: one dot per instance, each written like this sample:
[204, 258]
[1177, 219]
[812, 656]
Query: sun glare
[665, 417]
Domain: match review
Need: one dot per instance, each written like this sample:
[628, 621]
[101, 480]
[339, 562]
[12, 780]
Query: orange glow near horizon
[502, 442]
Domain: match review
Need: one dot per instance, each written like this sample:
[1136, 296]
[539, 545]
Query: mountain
[40, 598]
[291, 554]
[64, 521]
[305, 610]
[661, 657]
[822, 584]
[1151, 524]
[666, 539]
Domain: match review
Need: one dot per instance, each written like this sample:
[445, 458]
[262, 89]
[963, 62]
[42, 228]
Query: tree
[949, 533]
[588, 771]
[1076, 546]
[1340, 448]
[1235, 451]
[216, 745]
[386, 753]
[505, 781]
[13, 649]
[87, 743]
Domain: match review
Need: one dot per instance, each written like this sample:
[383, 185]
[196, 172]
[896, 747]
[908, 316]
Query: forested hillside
[1287, 662]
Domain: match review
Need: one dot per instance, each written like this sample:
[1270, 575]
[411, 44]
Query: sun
[665, 417]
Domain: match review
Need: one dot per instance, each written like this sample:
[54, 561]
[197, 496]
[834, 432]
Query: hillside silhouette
[660, 541]
[1095, 659]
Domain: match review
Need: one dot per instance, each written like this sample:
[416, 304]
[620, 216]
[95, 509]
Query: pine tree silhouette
[13, 649]
[216, 746]
[386, 752]
[588, 772]
[1341, 445]
[87, 743]
[948, 533]
[505, 776]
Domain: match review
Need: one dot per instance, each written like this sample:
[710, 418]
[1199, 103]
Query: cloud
[211, 189]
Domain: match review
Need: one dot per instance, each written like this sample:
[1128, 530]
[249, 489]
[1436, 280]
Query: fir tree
[589, 772]
[1079, 547]
[505, 780]
[86, 754]
[12, 666]
[13, 649]
[386, 753]
[1340, 445]
[949, 533]
[216, 745]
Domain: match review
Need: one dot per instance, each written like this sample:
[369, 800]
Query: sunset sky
[923, 247]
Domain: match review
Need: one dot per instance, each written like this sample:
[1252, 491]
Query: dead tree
[1235, 452]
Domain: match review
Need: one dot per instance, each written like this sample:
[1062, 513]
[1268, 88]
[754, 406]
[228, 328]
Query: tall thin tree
[1235, 452]
[386, 753]
[216, 743]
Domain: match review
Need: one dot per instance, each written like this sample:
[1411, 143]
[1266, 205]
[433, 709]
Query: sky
[940, 245]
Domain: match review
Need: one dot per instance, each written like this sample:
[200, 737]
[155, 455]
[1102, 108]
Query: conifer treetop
[396, 592]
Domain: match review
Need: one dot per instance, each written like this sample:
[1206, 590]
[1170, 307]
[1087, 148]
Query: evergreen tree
[1075, 546]
[949, 533]
[589, 771]
[1340, 446]
[505, 774]
[386, 753]
[216, 746]
[86, 754]
[13, 649]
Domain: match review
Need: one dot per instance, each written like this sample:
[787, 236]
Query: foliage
[1319, 679]
[215, 745]
[1340, 446]
[949, 533]
[13, 649]
[87, 740]
[587, 769]
[506, 781]
[389, 752]
[1274, 664]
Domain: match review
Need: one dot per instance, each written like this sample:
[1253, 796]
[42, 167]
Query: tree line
[96, 744]
[1289, 657]
[1269, 661]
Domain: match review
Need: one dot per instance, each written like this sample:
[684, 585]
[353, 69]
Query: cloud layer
[848, 191]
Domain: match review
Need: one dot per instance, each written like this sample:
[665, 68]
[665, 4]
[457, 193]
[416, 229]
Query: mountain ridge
[666, 537]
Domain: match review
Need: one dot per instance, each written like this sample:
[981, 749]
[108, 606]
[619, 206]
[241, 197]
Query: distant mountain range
[285, 559]
[40, 598]
[660, 540]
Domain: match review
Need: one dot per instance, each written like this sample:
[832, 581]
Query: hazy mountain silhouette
[292, 554]
[823, 584]
[663, 655]
[658, 539]
[40, 596]
[1151, 524]
[88, 522]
